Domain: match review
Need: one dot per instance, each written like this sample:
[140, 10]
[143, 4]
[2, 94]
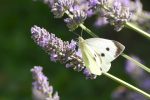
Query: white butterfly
[98, 53]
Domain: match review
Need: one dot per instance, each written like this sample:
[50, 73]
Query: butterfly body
[98, 53]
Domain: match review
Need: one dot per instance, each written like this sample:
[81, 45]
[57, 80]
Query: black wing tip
[120, 48]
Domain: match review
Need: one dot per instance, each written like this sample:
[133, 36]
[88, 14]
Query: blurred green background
[18, 54]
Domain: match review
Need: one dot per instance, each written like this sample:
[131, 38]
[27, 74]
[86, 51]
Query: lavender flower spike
[114, 11]
[59, 50]
[118, 15]
[59, 7]
[79, 16]
[41, 88]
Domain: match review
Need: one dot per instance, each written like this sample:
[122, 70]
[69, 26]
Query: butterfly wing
[108, 50]
[90, 58]
[105, 67]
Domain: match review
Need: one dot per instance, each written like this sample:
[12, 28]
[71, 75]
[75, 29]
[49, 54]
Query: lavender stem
[136, 62]
[127, 85]
[132, 26]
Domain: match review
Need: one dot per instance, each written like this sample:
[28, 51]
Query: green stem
[82, 26]
[136, 62]
[88, 31]
[132, 26]
[127, 85]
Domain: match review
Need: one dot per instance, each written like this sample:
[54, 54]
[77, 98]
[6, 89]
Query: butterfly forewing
[90, 58]
[107, 49]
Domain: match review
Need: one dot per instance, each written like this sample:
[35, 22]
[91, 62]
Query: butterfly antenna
[81, 32]
[76, 34]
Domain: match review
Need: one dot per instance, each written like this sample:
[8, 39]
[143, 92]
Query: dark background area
[19, 53]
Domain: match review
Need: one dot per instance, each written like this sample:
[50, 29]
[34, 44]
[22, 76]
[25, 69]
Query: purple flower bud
[71, 24]
[41, 36]
[122, 93]
[101, 21]
[57, 10]
[66, 3]
[117, 8]
[88, 74]
[68, 65]
[133, 70]
[93, 3]
[72, 45]
[53, 57]
[145, 83]
[79, 17]
[125, 2]
[41, 85]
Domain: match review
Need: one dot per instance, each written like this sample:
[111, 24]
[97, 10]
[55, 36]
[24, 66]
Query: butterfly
[98, 53]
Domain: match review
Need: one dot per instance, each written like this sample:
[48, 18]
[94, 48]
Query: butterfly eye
[107, 49]
[102, 54]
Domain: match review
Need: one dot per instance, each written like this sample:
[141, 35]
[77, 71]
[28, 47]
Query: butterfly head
[80, 39]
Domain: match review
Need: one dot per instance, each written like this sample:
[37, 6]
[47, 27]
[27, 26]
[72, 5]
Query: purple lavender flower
[116, 12]
[41, 88]
[88, 74]
[93, 3]
[59, 50]
[58, 8]
[145, 83]
[140, 17]
[133, 70]
[118, 15]
[139, 75]
[122, 93]
[78, 9]
[78, 18]
[123, 14]
[101, 21]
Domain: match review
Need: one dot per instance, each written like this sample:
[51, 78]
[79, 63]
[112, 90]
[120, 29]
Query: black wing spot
[95, 57]
[107, 49]
[102, 54]
[100, 68]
